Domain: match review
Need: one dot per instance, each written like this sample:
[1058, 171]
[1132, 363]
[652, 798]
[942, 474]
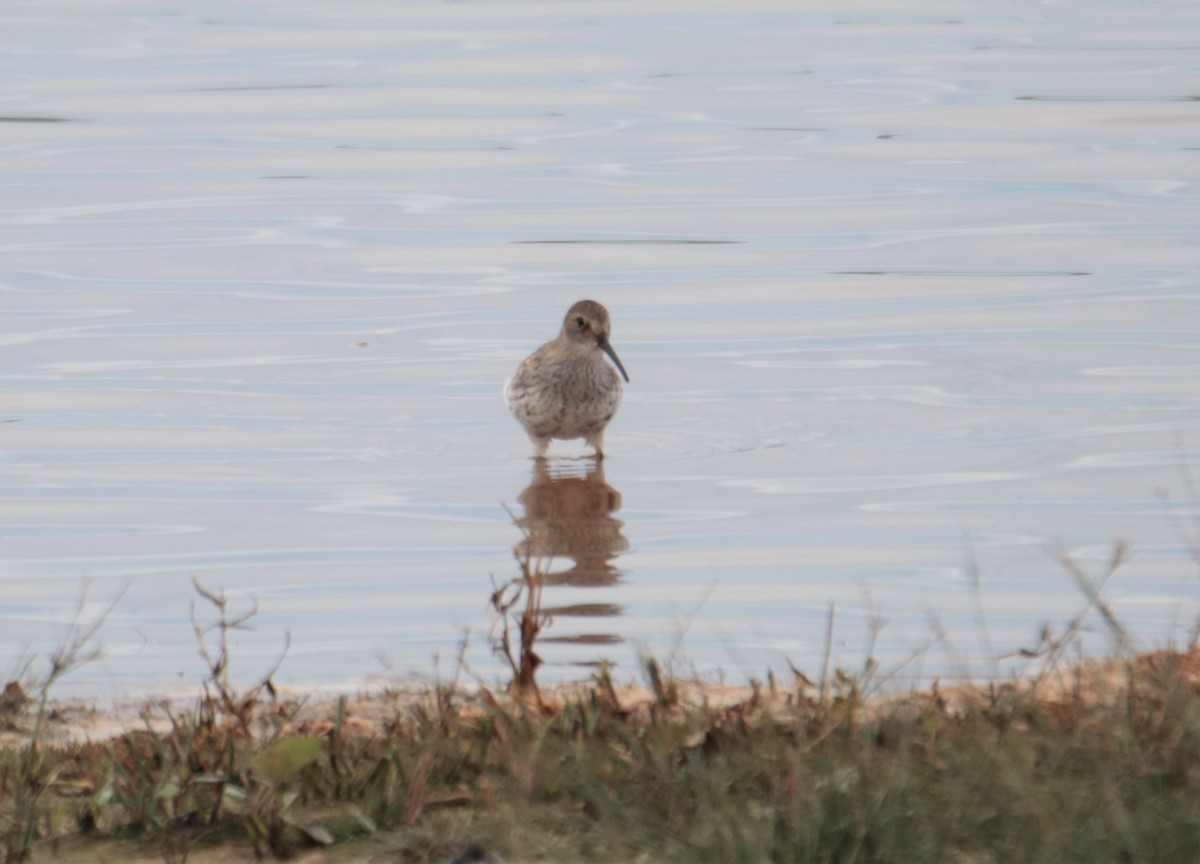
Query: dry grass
[1100, 762]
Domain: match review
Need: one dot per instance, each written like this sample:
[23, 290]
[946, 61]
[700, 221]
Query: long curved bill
[602, 341]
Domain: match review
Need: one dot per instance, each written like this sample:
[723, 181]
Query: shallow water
[905, 291]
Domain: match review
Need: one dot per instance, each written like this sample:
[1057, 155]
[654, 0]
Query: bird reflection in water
[567, 519]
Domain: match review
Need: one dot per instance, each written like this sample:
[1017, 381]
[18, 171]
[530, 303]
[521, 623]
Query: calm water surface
[904, 290]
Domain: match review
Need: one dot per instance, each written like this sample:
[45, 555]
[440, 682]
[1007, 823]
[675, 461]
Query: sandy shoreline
[80, 720]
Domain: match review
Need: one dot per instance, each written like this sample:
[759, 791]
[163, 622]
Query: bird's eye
[580, 323]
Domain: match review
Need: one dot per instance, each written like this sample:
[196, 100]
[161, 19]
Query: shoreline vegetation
[1089, 760]
[1097, 762]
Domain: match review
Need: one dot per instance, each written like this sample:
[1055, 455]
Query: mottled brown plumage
[565, 389]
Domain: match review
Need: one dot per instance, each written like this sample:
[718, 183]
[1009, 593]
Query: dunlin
[565, 389]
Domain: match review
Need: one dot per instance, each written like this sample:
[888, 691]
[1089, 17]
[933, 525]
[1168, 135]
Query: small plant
[523, 594]
[264, 792]
[30, 775]
[223, 706]
[265, 801]
[222, 758]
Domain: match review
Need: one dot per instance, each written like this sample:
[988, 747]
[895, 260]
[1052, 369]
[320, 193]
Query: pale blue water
[898, 286]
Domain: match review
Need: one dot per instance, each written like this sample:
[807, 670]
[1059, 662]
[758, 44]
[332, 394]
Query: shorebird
[565, 389]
